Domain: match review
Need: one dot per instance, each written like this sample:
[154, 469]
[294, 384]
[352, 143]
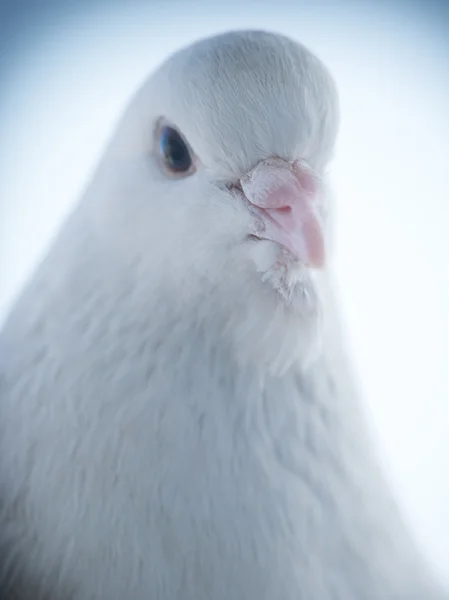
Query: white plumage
[177, 418]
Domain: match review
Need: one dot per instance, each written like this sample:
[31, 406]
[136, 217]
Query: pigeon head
[216, 179]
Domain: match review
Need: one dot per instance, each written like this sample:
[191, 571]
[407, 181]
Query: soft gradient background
[66, 71]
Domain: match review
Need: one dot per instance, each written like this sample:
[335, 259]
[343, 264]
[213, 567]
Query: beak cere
[283, 195]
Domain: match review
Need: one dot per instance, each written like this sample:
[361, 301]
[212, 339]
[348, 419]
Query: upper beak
[284, 196]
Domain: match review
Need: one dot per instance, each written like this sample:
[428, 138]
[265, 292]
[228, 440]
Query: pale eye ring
[173, 151]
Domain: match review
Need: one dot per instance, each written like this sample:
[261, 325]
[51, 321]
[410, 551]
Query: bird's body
[177, 421]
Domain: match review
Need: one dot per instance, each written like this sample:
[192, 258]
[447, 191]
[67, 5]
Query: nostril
[283, 209]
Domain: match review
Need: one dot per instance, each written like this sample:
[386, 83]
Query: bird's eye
[174, 151]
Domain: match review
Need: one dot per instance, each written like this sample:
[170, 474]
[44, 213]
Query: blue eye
[174, 151]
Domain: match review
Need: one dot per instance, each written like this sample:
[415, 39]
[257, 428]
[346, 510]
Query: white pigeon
[177, 415]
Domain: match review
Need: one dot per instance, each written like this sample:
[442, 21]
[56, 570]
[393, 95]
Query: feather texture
[177, 414]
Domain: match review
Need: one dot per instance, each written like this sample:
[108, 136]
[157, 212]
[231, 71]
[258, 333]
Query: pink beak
[284, 197]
